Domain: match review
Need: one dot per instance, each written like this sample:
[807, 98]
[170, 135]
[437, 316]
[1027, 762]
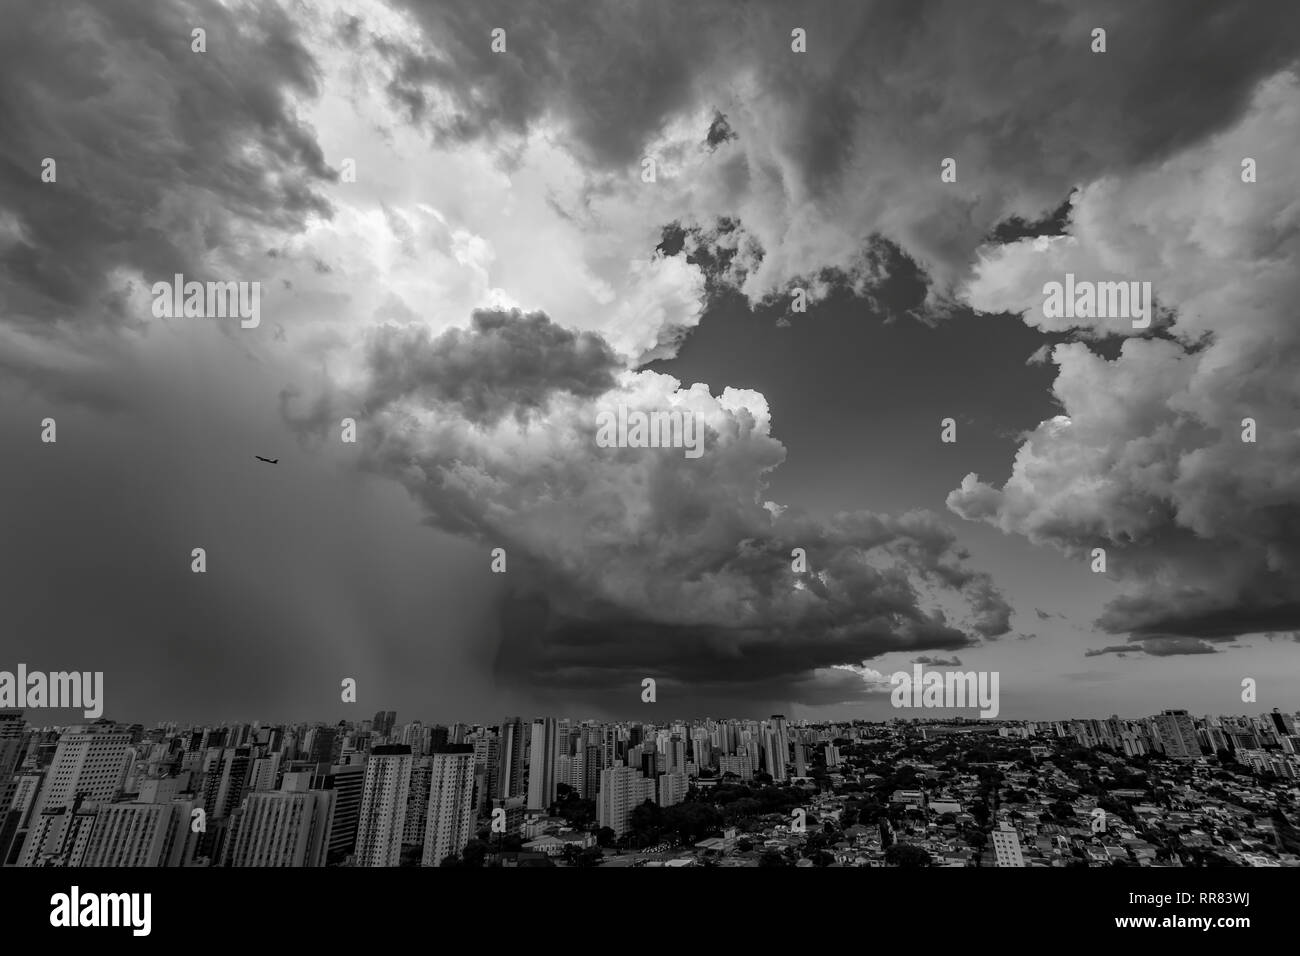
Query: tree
[474, 854]
[605, 837]
[744, 845]
[772, 857]
[907, 857]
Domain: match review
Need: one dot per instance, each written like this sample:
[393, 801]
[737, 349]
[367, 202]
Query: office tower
[779, 749]
[417, 801]
[510, 775]
[59, 835]
[1177, 734]
[382, 725]
[563, 772]
[13, 747]
[89, 761]
[348, 783]
[591, 771]
[487, 767]
[541, 764]
[263, 774]
[621, 789]
[282, 828]
[226, 772]
[458, 734]
[613, 749]
[320, 744]
[800, 759]
[702, 747]
[450, 811]
[1283, 724]
[672, 789]
[439, 737]
[772, 762]
[383, 806]
[1006, 845]
[675, 755]
[413, 736]
[139, 834]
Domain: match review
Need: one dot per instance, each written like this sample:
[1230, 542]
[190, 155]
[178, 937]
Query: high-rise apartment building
[541, 764]
[383, 806]
[450, 810]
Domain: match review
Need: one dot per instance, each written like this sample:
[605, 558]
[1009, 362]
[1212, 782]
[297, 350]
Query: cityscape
[1169, 790]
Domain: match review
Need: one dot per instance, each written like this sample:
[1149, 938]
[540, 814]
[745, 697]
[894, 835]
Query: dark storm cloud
[925, 659]
[1012, 90]
[642, 562]
[1156, 647]
[504, 363]
[162, 153]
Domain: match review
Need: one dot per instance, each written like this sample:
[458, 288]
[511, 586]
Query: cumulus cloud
[1147, 460]
[631, 562]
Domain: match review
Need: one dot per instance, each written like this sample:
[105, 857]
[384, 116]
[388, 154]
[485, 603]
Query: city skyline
[1170, 789]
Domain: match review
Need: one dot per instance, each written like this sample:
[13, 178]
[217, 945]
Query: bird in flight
[269, 461]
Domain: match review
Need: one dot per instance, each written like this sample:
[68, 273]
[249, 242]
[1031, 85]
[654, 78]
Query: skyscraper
[541, 764]
[450, 810]
[621, 789]
[345, 812]
[417, 801]
[1177, 734]
[90, 761]
[510, 776]
[383, 806]
[138, 834]
[283, 828]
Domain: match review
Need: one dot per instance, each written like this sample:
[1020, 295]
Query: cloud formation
[633, 562]
[845, 141]
[1147, 459]
[166, 161]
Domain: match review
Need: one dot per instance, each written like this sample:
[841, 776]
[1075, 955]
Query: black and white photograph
[638, 434]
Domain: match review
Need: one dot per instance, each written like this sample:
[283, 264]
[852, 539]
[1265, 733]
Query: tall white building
[621, 789]
[672, 789]
[541, 764]
[139, 834]
[282, 828]
[383, 806]
[91, 761]
[450, 819]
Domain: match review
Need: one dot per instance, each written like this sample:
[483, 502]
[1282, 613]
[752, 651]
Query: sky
[462, 250]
